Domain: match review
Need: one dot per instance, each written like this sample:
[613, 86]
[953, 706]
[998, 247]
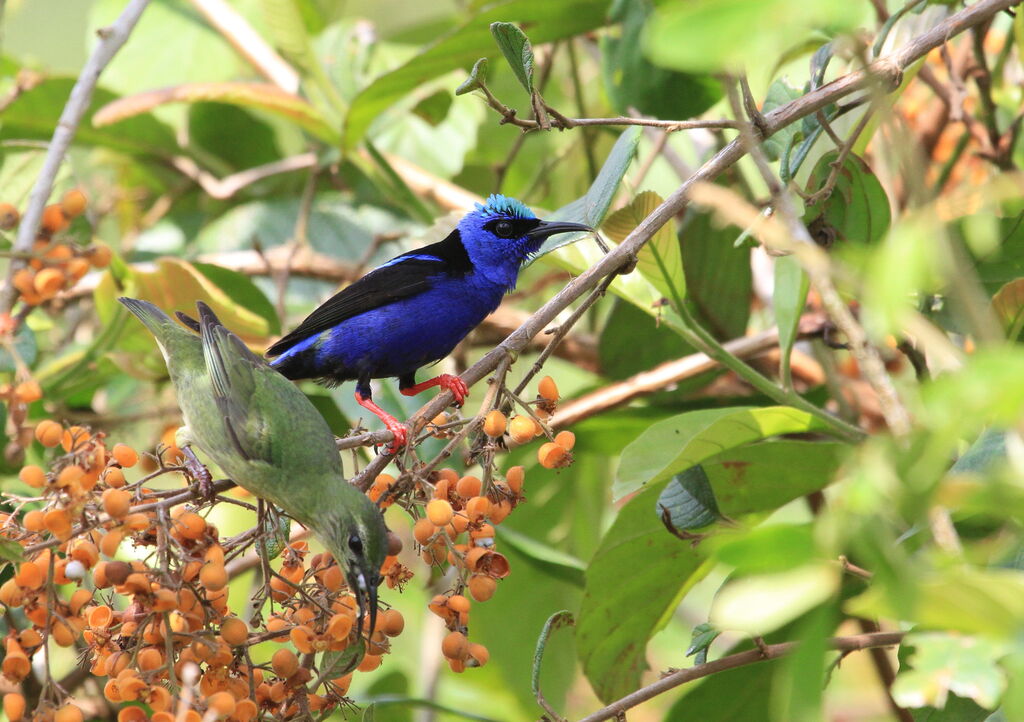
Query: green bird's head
[357, 538]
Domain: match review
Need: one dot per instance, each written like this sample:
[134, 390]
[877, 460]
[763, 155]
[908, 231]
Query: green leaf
[660, 260]
[369, 713]
[700, 641]
[24, 346]
[733, 695]
[593, 206]
[35, 113]
[611, 643]
[788, 299]
[719, 281]
[675, 444]
[943, 663]
[633, 82]
[11, 551]
[983, 454]
[1008, 304]
[477, 78]
[761, 603]
[779, 93]
[717, 35]
[688, 501]
[516, 48]
[633, 341]
[799, 686]
[547, 21]
[232, 134]
[766, 549]
[240, 289]
[957, 709]
[338, 664]
[558, 562]
[857, 209]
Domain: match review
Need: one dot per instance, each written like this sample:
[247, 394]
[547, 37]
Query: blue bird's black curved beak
[550, 228]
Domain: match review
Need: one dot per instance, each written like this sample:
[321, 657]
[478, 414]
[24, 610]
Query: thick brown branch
[740, 659]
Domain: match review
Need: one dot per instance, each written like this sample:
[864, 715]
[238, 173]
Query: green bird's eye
[355, 544]
[503, 229]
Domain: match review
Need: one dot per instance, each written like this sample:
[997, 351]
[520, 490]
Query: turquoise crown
[499, 205]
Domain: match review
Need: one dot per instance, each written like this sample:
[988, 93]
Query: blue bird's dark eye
[503, 229]
[355, 544]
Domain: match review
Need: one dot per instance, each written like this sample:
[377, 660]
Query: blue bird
[414, 309]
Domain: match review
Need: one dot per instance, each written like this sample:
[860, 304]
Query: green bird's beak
[363, 583]
[550, 228]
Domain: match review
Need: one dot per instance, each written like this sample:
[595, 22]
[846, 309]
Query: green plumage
[268, 438]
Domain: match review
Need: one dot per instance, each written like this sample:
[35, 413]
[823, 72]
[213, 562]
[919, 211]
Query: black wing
[406, 275]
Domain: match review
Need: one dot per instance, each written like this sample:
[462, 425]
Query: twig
[886, 72]
[112, 38]
[223, 188]
[741, 659]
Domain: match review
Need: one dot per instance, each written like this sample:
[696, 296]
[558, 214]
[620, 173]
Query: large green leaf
[733, 695]
[856, 209]
[675, 444]
[545, 20]
[641, 568]
[660, 260]
[944, 664]
[717, 35]
[34, 115]
[719, 281]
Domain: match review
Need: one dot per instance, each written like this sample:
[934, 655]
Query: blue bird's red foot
[447, 382]
[393, 425]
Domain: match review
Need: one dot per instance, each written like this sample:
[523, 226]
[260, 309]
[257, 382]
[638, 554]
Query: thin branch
[111, 39]
[741, 659]
[885, 72]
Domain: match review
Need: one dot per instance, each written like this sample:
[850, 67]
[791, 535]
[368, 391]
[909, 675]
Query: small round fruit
[117, 502]
[495, 424]
[439, 512]
[522, 429]
[468, 487]
[285, 663]
[553, 456]
[548, 389]
[48, 282]
[514, 478]
[14, 706]
[422, 530]
[213, 577]
[391, 623]
[33, 476]
[68, 713]
[100, 255]
[234, 631]
[124, 455]
[49, 433]
[54, 219]
[28, 391]
[482, 587]
[455, 645]
[73, 203]
[9, 216]
[565, 439]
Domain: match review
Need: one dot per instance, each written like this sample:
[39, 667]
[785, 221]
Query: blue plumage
[414, 309]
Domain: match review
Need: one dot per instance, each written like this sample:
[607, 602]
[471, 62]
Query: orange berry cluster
[172, 622]
[55, 265]
[523, 428]
[458, 528]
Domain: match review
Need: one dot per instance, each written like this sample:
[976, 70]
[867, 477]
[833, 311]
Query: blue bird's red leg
[457, 386]
[393, 425]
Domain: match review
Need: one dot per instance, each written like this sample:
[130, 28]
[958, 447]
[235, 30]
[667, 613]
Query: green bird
[268, 438]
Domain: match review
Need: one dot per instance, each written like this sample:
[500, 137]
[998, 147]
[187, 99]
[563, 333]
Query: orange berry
[223, 703]
[14, 706]
[48, 433]
[477, 508]
[69, 475]
[439, 512]
[68, 713]
[86, 552]
[62, 633]
[423, 529]
[479, 654]
[34, 520]
[117, 502]
[114, 478]
[245, 711]
[9, 218]
[189, 526]
[33, 476]
[234, 631]
[132, 714]
[391, 622]
[482, 587]
[24, 281]
[74, 437]
[100, 255]
[149, 659]
[522, 429]
[284, 663]
[30, 576]
[553, 456]
[109, 544]
[73, 203]
[565, 439]
[58, 523]
[49, 281]
[455, 645]
[495, 424]
[500, 511]
[28, 391]
[514, 478]
[125, 455]
[213, 577]
[548, 389]
[468, 487]
[54, 219]
[76, 268]
[370, 662]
